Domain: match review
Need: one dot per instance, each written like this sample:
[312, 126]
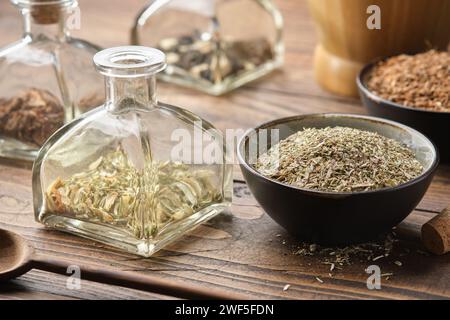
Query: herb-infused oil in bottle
[135, 173]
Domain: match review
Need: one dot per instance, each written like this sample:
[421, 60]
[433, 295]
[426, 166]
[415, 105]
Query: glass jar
[46, 78]
[213, 45]
[135, 173]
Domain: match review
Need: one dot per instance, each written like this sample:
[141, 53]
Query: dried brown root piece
[31, 116]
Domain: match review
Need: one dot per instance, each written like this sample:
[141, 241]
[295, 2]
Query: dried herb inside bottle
[31, 117]
[214, 60]
[113, 191]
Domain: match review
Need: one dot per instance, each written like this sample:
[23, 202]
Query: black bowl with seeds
[413, 90]
[336, 179]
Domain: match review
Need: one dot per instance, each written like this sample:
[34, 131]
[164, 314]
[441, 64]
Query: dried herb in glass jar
[117, 175]
[31, 117]
[47, 78]
[215, 60]
[225, 45]
[110, 192]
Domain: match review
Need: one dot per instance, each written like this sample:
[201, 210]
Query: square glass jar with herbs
[46, 78]
[135, 173]
[213, 45]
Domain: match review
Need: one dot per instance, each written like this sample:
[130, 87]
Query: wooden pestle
[436, 233]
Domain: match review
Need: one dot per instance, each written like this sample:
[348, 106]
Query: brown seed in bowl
[418, 81]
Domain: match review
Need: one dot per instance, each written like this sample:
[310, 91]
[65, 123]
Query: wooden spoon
[17, 257]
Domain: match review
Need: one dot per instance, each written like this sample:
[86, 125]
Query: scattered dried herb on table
[338, 257]
[31, 117]
[387, 251]
[113, 191]
[418, 81]
[339, 159]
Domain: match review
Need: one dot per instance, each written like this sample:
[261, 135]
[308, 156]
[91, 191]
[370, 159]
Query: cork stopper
[44, 11]
[436, 233]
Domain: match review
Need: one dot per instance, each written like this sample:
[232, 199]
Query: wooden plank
[36, 285]
[242, 250]
[249, 108]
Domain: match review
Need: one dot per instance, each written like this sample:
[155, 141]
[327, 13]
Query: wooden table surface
[242, 250]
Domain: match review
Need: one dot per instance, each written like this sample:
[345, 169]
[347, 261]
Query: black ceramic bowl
[337, 218]
[435, 125]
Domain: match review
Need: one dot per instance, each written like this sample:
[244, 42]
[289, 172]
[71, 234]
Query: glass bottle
[213, 45]
[46, 78]
[135, 173]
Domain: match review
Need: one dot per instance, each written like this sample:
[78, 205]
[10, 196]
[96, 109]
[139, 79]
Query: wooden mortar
[346, 44]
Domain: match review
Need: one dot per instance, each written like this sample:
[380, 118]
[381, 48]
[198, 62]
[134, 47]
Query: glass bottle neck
[125, 93]
[50, 23]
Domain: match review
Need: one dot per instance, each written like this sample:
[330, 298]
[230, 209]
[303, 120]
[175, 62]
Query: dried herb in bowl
[339, 159]
[417, 81]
